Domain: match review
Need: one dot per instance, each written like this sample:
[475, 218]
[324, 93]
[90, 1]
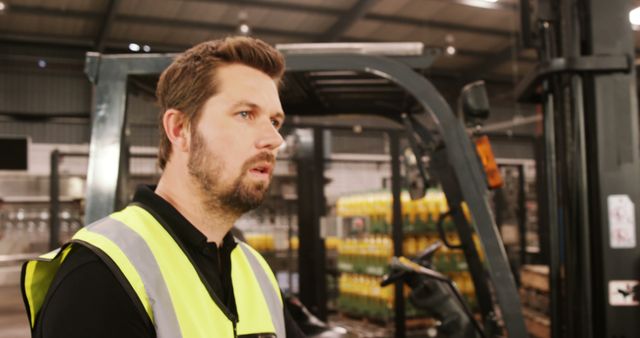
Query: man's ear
[176, 127]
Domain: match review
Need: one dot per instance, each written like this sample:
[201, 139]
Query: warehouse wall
[142, 114]
[50, 106]
[46, 132]
[54, 106]
[44, 92]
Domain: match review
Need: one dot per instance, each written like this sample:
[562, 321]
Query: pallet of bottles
[371, 254]
[534, 294]
[370, 249]
[361, 296]
[364, 257]
[265, 242]
[419, 216]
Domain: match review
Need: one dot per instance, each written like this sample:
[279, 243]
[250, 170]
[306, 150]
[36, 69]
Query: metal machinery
[427, 118]
[586, 86]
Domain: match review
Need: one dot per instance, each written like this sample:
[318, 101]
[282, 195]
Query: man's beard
[206, 170]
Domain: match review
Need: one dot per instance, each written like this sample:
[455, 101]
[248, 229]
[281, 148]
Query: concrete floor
[13, 318]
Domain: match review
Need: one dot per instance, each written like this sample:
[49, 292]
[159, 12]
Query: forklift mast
[585, 84]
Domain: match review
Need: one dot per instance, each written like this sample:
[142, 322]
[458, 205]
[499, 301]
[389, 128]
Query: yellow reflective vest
[166, 282]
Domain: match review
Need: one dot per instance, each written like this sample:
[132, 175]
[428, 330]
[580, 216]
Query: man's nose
[269, 137]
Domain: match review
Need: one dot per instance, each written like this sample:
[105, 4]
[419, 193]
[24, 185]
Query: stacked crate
[534, 292]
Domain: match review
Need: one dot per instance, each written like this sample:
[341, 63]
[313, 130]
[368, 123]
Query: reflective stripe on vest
[273, 300]
[135, 257]
[168, 285]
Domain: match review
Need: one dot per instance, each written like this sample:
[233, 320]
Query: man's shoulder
[84, 281]
[78, 256]
[81, 263]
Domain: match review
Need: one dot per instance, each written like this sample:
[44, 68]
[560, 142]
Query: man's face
[235, 142]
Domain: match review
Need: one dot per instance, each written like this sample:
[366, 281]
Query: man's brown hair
[191, 79]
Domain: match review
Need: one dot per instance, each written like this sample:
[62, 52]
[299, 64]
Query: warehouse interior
[488, 148]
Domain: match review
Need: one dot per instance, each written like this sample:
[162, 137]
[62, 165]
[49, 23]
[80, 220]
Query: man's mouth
[262, 170]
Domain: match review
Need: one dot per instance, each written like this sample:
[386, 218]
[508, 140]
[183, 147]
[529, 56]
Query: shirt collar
[186, 232]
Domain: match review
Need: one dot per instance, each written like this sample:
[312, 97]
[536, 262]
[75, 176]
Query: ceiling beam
[145, 20]
[278, 5]
[109, 16]
[449, 26]
[488, 64]
[211, 26]
[52, 40]
[12, 49]
[347, 20]
[271, 4]
[55, 12]
[275, 4]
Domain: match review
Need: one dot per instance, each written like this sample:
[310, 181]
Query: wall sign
[622, 222]
[624, 293]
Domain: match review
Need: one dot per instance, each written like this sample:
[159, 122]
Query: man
[167, 265]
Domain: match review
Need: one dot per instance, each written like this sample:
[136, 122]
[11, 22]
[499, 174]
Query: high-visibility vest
[168, 285]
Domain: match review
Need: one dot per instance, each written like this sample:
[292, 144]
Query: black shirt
[89, 299]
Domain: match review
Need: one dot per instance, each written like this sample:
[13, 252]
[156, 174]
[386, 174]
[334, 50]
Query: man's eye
[245, 114]
[275, 123]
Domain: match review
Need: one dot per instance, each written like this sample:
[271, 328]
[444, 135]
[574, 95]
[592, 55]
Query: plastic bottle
[443, 207]
[340, 298]
[368, 248]
[346, 252]
[422, 215]
[433, 210]
[388, 212]
[410, 247]
[443, 260]
[423, 242]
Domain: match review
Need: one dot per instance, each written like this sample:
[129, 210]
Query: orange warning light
[483, 147]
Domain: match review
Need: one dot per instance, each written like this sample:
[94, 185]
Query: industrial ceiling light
[243, 26]
[244, 29]
[634, 17]
[450, 50]
[488, 4]
[3, 7]
[134, 47]
[376, 48]
[146, 48]
[42, 63]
